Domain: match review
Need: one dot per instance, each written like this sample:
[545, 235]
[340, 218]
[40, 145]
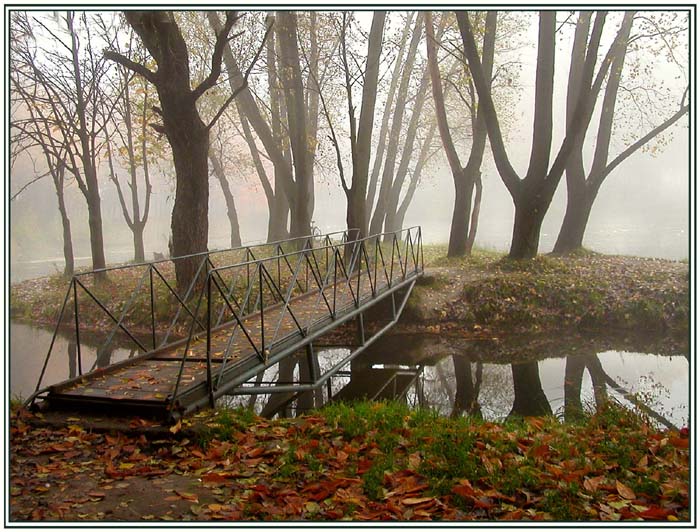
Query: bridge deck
[273, 317]
[151, 378]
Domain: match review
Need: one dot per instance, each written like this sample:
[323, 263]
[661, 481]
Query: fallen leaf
[624, 491]
[410, 501]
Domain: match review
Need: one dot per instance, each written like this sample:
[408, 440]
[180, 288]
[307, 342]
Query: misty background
[643, 207]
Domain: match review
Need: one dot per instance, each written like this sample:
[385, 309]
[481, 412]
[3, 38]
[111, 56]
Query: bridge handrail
[209, 253]
[327, 246]
[151, 266]
[358, 251]
[354, 259]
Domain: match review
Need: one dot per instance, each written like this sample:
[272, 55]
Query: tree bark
[395, 221]
[386, 116]
[392, 148]
[57, 174]
[356, 216]
[187, 133]
[232, 213]
[301, 204]
[87, 156]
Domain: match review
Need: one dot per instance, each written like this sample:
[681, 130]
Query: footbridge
[245, 310]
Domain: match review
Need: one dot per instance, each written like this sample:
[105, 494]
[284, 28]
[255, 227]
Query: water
[529, 374]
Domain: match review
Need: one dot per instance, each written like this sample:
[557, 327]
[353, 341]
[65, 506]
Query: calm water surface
[525, 375]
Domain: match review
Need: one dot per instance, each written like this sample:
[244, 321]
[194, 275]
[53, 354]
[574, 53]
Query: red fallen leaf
[483, 502]
[624, 491]
[97, 494]
[187, 496]
[464, 488]
[535, 422]
[198, 454]
[214, 478]
[515, 515]
[679, 443]
[591, 484]
[655, 512]
[363, 466]
[255, 452]
[541, 451]
[111, 472]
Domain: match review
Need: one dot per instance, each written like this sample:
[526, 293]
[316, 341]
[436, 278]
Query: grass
[541, 460]
[584, 289]
[382, 460]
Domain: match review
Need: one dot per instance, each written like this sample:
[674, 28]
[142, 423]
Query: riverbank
[488, 294]
[361, 462]
[484, 295]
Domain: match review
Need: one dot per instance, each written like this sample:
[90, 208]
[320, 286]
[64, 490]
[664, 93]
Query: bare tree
[185, 129]
[466, 178]
[533, 194]
[394, 137]
[130, 135]
[296, 69]
[583, 186]
[67, 74]
[360, 132]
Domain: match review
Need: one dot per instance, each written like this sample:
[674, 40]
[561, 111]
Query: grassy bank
[360, 462]
[491, 293]
[486, 293]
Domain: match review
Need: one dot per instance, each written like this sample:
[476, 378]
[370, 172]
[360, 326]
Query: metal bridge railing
[88, 286]
[336, 275]
[236, 285]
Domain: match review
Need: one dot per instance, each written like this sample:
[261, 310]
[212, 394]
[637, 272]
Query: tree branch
[131, 65]
[217, 55]
[244, 83]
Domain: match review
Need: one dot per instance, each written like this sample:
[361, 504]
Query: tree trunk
[189, 139]
[69, 267]
[97, 248]
[397, 212]
[530, 399]
[301, 204]
[474, 222]
[578, 211]
[139, 250]
[526, 233]
[87, 156]
[279, 216]
[392, 148]
[231, 211]
[461, 215]
[388, 106]
[529, 214]
[357, 211]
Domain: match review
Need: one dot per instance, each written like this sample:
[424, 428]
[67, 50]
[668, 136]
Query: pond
[527, 375]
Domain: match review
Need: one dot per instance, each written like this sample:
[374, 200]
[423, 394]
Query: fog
[642, 208]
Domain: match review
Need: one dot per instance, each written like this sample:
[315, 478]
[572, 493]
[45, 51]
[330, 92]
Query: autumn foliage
[361, 462]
